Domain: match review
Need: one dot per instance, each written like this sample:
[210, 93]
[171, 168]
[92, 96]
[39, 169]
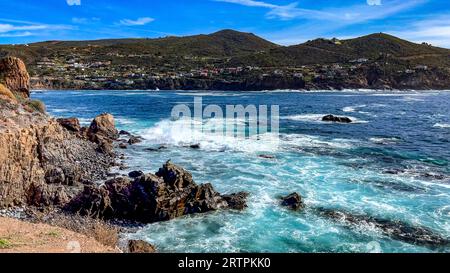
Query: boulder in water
[293, 201]
[134, 140]
[331, 118]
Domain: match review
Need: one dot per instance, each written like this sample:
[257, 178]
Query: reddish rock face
[14, 75]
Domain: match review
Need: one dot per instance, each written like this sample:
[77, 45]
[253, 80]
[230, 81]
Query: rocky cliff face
[14, 75]
[41, 162]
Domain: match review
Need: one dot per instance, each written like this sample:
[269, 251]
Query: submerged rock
[267, 156]
[397, 230]
[139, 246]
[195, 146]
[293, 201]
[168, 194]
[332, 118]
[123, 132]
[237, 201]
[135, 174]
[123, 146]
[134, 140]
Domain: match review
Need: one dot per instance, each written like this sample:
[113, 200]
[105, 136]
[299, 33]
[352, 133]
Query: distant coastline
[229, 60]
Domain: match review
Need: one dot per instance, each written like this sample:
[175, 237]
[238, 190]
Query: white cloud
[250, 3]
[353, 13]
[5, 28]
[17, 34]
[14, 28]
[434, 30]
[374, 2]
[73, 2]
[138, 22]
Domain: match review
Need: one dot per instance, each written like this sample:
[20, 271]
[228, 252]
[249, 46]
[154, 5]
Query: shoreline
[302, 91]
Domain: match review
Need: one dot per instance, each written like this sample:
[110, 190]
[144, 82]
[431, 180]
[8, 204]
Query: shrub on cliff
[36, 105]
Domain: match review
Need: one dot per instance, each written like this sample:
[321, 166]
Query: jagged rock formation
[331, 118]
[44, 162]
[293, 201]
[14, 76]
[395, 229]
[168, 194]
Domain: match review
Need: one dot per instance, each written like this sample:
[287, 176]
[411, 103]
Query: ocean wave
[210, 134]
[212, 94]
[442, 125]
[384, 140]
[125, 121]
[352, 109]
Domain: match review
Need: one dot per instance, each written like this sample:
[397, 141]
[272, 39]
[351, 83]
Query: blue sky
[285, 21]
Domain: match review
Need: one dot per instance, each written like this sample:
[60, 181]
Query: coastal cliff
[41, 163]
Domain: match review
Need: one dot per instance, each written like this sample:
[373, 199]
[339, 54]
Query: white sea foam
[352, 109]
[210, 135]
[384, 140]
[442, 125]
[124, 121]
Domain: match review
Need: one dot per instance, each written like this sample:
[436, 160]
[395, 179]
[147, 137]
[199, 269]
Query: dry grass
[7, 93]
[101, 231]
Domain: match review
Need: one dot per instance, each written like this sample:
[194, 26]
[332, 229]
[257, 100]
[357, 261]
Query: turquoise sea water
[392, 163]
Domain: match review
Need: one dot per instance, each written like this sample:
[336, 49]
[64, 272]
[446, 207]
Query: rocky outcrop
[168, 194]
[397, 230]
[71, 124]
[14, 75]
[42, 164]
[103, 132]
[293, 201]
[331, 118]
[134, 140]
[139, 246]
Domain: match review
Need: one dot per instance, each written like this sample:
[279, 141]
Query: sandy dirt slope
[23, 237]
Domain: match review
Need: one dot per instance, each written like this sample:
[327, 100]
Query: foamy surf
[442, 125]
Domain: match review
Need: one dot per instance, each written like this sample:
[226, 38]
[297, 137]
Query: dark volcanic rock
[71, 124]
[293, 201]
[150, 198]
[332, 118]
[134, 140]
[397, 230]
[123, 146]
[267, 156]
[135, 174]
[123, 132]
[195, 146]
[139, 246]
[237, 201]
